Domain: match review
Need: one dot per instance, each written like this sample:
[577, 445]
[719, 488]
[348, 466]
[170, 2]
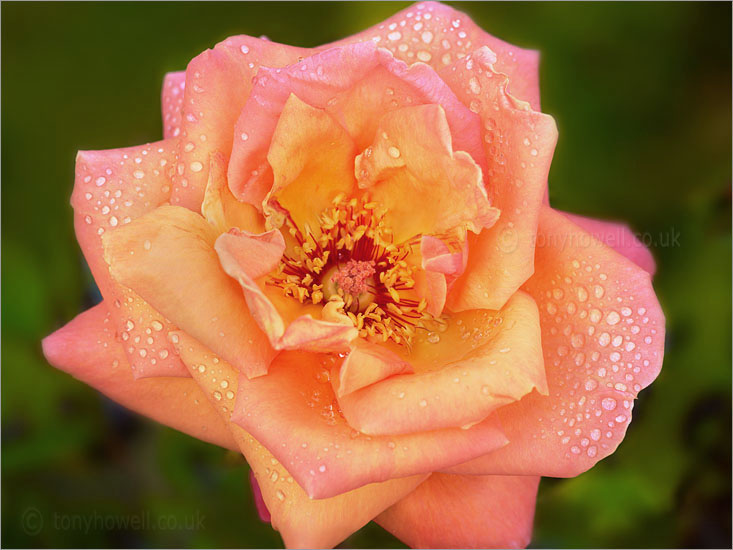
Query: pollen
[352, 263]
[354, 276]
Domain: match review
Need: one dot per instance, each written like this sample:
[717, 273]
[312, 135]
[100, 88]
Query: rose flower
[341, 262]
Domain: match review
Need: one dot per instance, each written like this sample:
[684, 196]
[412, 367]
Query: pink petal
[111, 189]
[303, 522]
[168, 258]
[519, 144]
[367, 364]
[262, 510]
[603, 341]
[218, 82]
[438, 257]
[501, 363]
[244, 257]
[411, 155]
[450, 511]
[356, 84]
[172, 103]
[442, 267]
[619, 237]
[438, 35]
[87, 349]
[293, 412]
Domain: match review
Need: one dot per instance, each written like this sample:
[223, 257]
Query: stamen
[352, 261]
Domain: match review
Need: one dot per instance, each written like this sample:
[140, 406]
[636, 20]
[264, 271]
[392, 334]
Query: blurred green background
[642, 97]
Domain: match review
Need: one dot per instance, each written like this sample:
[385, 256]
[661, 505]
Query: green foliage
[641, 94]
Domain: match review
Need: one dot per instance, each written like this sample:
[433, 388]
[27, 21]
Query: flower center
[354, 278]
[352, 263]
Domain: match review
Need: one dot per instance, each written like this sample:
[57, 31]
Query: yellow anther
[353, 229]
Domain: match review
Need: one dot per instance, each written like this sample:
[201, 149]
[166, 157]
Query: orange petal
[218, 82]
[111, 189]
[519, 144]
[311, 156]
[619, 237]
[172, 103]
[356, 84]
[603, 341]
[87, 349]
[302, 522]
[168, 258]
[245, 257]
[293, 412]
[366, 364]
[500, 364]
[437, 34]
[220, 208]
[411, 155]
[450, 511]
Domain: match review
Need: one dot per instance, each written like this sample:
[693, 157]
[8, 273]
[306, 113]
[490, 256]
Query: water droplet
[608, 403]
[474, 86]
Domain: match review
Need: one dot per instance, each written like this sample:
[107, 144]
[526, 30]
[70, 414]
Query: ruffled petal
[412, 155]
[218, 82]
[519, 144]
[111, 189]
[87, 349]
[356, 84]
[246, 257]
[312, 160]
[367, 364]
[172, 103]
[302, 522]
[293, 412]
[603, 341]
[450, 511]
[619, 237]
[438, 35]
[168, 258]
[499, 363]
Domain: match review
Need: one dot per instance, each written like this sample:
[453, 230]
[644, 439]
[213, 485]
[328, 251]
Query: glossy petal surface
[87, 349]
[603, 341]
[450, 511]
[168, 258]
